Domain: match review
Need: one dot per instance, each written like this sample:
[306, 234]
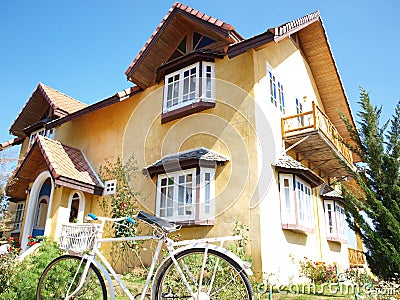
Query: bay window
[192, 87]
[186, 195]
[296, 203]
[335, 219]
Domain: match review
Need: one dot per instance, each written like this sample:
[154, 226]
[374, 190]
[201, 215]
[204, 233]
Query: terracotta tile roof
[199, 153]
[289, 164]
[67, 162]
[116, 98]
[273, 34]
[61, 101]
[187, 9]
[35, 107]
[328, 192]
[295, 25]
[177, 161]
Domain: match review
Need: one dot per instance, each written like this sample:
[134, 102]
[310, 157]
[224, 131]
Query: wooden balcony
[312, 135]
[356, 258]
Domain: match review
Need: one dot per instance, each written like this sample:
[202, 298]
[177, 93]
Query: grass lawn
[135, 285]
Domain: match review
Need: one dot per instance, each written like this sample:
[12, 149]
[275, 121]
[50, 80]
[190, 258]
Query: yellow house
[223, 128]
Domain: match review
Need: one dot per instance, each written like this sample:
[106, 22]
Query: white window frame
[341, 221]
[43, 132]
[110, 187]
[207, 194]
[202, 208]
[304, 202]
[330, 219]
[202, 76]
[288, 203]
[335, 220]
[276, 90]
[208, 95]
[296, 202]
[19, 215]
[172, 204]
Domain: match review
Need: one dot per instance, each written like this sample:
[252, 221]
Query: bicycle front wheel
[61, 277]
[211, 275]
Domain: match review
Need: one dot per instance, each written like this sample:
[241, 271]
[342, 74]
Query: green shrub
[24, 276]
[318, 272]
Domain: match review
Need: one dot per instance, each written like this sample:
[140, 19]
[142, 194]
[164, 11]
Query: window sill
[298, 229]
[186, 110]
[337, 240]
[194, 223]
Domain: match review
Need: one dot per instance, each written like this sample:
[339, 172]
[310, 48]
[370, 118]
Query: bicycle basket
[77, 237]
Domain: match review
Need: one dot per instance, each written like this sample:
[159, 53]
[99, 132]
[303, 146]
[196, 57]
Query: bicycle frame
[173, 248]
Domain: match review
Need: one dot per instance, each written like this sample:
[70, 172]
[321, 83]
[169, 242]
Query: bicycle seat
[166, 226]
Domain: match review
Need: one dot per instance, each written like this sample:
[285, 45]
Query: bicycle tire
[230, 280]
[60, 274]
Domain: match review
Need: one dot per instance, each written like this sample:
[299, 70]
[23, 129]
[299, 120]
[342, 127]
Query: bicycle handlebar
[95, 218]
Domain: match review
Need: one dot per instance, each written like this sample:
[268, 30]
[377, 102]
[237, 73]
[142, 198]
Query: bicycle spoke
[213, 276]
[202, 272]
[231, 286]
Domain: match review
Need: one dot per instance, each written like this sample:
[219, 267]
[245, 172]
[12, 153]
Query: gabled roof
[173, 162]
[286, 163]
[44, 101]
[329, 193]
[68, 166]
[169, 34]
[315, 47]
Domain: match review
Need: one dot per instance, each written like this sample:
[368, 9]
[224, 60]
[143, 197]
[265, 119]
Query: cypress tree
[373, 207]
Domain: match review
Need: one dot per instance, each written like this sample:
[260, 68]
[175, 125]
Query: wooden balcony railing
[356, 257]
[315, 120]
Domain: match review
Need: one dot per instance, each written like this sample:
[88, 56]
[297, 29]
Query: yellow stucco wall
[282, 249]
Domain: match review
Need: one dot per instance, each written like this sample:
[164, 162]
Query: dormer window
[188, 90]
[43, 132]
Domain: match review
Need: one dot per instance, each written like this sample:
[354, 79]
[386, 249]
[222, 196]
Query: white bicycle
[193, 269]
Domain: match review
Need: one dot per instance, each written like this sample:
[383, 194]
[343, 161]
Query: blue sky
[82, 48]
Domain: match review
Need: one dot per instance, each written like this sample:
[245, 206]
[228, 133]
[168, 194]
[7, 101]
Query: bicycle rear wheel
[62, 276]
[211, 276]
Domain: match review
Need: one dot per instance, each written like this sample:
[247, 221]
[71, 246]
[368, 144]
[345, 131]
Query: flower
[123, 206]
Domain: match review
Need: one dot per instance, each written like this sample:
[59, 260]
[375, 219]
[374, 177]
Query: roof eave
[118, 97]
[307, 174]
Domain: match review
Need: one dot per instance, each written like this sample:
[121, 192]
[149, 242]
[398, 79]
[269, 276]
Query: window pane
[163, 202]
[169, 212]
[287, 202]
[181, 195]
[177, 198]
